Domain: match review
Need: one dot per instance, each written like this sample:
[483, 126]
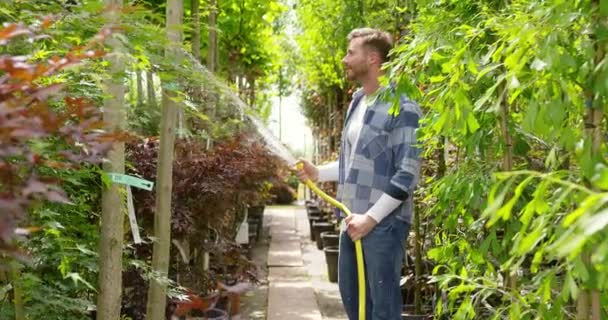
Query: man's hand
[309, 171]
[359, 225]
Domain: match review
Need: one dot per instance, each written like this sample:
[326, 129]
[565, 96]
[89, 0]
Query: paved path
[295, 271]
[290, 293]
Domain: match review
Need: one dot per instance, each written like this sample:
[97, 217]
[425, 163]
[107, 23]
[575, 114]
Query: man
[377, 172]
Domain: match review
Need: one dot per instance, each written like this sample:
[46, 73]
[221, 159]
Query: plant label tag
[242, 236]
[132, 219]
[131, 181]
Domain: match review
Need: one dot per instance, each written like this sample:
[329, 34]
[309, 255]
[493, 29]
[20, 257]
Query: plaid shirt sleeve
[402, 140]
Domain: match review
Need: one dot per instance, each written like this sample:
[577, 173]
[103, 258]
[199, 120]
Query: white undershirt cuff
[383, 207]
[328, 172]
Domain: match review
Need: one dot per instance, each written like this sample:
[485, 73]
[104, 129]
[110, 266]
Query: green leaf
[505, 211]
[472, 123]
[533, 238]
[580, 269]
[591, 224]
[600, 179]
[570, 289]
[481, 103]
[487, 70]
[76, 278]
[537, 259]
[545, 287]
[437, 79]
[586, 205]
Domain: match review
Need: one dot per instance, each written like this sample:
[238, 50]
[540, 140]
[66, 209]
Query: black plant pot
[331, 258]
[255, 224]
[315, 215]
[318, 228]
[330, 239]
[252, 236]
[312, 220]
[313, 211]
[256, 212]
[310, 203]
[253, 229]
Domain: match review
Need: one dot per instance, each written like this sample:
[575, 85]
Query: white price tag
[132, 219]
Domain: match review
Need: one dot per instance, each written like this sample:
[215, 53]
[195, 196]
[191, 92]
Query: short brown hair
[378, 40]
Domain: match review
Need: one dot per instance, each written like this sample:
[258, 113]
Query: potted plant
[331, 259]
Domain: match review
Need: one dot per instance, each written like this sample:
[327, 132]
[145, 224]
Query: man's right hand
[308, 171]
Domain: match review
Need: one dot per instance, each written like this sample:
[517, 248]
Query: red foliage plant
[31, 112]
[209, 188]
[207, 184]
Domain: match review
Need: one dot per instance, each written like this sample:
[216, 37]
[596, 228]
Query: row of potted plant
[323, 232]
[215, 191]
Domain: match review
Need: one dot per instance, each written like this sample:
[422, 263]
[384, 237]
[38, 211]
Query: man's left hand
[359, 225]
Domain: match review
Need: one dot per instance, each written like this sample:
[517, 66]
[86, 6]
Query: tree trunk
[442, 156]
[252, 92]
[164, 181]
[418, 263]
[507, 165]
[589, 306]
[112, 216]
[140, 88]
[196, 53]
[212, 59]
[507, 158]
[212, 52]
[15, 271]
[150, 88]
[281, 118]
[196, 29]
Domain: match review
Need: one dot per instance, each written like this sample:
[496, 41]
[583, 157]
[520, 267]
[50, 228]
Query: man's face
[356, 62]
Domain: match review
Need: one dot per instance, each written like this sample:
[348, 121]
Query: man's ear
[373, 57]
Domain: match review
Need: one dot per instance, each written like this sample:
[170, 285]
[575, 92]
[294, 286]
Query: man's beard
[356, 74]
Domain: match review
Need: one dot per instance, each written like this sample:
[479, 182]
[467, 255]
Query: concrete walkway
[293, 271]
[290, 293]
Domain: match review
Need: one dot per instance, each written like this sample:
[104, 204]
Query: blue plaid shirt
[385, 157]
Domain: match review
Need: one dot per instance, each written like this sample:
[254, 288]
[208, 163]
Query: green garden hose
[358, 247]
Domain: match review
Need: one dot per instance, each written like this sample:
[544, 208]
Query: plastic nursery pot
[318, 227]
[310, 203]
[312, 211]
[332, 242]
[311, 220]
[315, 215]
[256, 212]
[252, 236]
[253, 229]
[255, 224]
[253, 220]
[330, 239]
[331, 258]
